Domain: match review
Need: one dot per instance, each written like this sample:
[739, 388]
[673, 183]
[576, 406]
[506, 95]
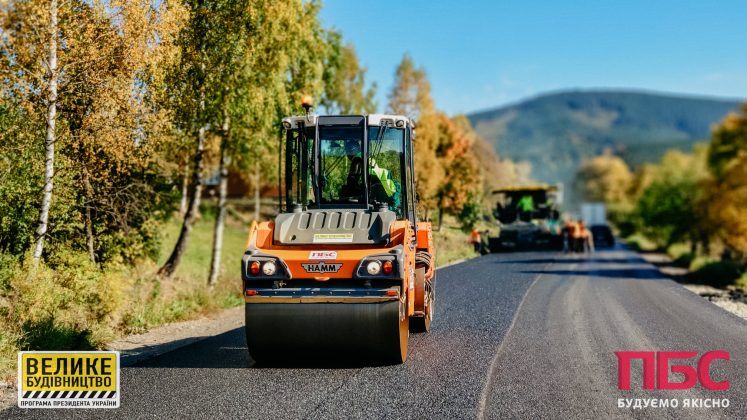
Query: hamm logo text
[321, 268]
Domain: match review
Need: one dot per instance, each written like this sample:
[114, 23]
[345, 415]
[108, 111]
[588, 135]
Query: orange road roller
[345, 270]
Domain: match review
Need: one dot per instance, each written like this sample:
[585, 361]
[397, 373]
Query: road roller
[345, 270]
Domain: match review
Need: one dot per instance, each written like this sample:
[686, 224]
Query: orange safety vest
[475, 236]
[576, 231]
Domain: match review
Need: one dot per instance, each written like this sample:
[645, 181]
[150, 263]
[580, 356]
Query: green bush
[715, 273]
[22, 166]
[742, 281]
[471, 214]
[8, 267]
[74, 300]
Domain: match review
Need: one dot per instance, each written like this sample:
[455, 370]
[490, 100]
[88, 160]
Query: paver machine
[529, 218]
[345, 269]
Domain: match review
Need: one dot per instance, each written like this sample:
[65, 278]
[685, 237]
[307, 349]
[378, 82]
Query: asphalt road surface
[516, 335]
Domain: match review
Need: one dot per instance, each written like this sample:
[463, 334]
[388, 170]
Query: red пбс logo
[656, 369]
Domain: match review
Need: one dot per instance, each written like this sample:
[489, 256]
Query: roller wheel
[404, 334]
[422, 324]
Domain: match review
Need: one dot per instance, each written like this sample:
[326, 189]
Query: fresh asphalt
[520, 335]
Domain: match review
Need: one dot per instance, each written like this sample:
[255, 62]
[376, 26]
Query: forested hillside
[556, 132]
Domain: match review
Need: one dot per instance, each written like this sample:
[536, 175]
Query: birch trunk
[88, 218]
[220, 219]
[41, 230]
[257, 199]
[185, 191]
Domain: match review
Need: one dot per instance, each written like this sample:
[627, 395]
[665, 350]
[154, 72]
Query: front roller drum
[327, 331]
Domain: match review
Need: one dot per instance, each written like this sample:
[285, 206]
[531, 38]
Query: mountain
[556, 132]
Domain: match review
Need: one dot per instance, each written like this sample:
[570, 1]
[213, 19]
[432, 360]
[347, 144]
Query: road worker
[525, 207]
[476, 239]
[587, 240]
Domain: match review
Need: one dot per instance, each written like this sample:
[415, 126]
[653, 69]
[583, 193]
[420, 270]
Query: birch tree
[88, 79]
[46, 201]
[30, 35]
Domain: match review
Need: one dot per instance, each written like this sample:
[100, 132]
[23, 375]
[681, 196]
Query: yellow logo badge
[68, 379]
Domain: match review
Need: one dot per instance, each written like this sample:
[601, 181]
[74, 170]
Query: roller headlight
[269, 268]
[373, 268]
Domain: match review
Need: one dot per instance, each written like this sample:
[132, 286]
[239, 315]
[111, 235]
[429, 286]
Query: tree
[727, 189]
[345, 89]
[666, 211]
[190, 78]
[255, 56]
[605, 178]
[411, 97]
[727, 201]
[30, 63]
[461, 181]
[50, 139]
[728, 141]
[671, 208]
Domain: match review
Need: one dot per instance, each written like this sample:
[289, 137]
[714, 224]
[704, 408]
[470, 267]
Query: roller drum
[331, 331]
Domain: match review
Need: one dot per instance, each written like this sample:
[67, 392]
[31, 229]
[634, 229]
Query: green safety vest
[526, 203]
[384, 176]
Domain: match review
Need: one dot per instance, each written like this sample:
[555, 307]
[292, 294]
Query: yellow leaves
[727, 190]
[728, 204]
[345, 80]
[727, 140]
[461, 167]
[452, 163]
[605, 178]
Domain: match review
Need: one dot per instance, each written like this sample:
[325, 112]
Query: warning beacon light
[307, 102]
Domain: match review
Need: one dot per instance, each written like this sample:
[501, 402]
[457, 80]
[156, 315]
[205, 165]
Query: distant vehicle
[595, 216]
[603, 236]
[528, 218]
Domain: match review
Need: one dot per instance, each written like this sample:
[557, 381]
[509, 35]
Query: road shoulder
[731, 300]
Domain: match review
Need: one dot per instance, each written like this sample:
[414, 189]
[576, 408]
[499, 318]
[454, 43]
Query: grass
[186, 294]
[452, 244]
[78, 306]
[639, 242]
[195, 263]
[741, 281]
[681, 254]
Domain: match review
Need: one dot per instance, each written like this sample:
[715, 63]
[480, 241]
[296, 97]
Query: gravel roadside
[731, 299]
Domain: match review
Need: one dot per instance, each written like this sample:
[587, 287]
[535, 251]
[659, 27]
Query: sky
[484, 54]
